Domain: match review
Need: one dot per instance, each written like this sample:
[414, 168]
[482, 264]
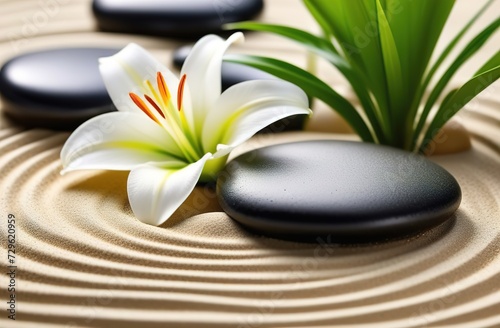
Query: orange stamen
[180, 91]
[162, 87]
[138, 101]
[152, 102]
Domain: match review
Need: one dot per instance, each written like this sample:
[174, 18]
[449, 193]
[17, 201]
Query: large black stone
[348, 191]
[58, 88]
[176, 18]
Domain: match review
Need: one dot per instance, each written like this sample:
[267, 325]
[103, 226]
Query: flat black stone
[58, 88]
[350, 192]
[233, 73]
[174, 18]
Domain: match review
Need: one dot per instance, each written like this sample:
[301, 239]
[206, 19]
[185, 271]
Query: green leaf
[311, 85]
[465, 55]
[354, 26]
[319, 45]
[457, 99]
[416, 26]
[325, 49]
[432, 71]
[394, 78]
[493, 62]
[452, 45]
[318, 16]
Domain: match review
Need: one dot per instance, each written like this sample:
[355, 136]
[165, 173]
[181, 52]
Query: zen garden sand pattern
[84, 260]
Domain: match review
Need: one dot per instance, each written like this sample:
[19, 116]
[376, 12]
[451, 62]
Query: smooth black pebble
[175, 18]
[233, 73]
[346, 192]
[58, 88]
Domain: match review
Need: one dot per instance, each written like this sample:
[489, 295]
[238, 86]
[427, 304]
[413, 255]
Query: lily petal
[205, 84]
[117, 141]
[156, 190]
[248, 107]
[127, 72]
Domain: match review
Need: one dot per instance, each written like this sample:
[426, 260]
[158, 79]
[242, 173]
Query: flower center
[169, 117]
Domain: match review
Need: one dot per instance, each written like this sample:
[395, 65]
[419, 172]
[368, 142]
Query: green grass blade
[325, 49]
[316, 44]
[444, 55]
[453, 44]
[417, 26]
[311, 85]
[469, 50]
[457, 99]
[318, 16]
[394, 77]
[348, 21]
[493, 62]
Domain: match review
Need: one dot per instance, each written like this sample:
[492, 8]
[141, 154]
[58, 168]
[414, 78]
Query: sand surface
[85, 261]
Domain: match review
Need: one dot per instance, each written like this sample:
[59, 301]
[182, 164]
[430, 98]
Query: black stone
[349, 192]
[174, 18]
[233, 73]
[58, 88]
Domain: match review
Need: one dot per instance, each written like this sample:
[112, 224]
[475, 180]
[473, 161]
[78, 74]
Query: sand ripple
[84, 260]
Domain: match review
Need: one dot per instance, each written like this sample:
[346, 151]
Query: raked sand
[84, 260]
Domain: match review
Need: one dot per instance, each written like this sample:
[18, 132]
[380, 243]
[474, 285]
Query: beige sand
[84, 260]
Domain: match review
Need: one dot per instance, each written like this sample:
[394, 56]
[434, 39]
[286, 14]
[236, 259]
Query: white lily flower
[171, 140]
